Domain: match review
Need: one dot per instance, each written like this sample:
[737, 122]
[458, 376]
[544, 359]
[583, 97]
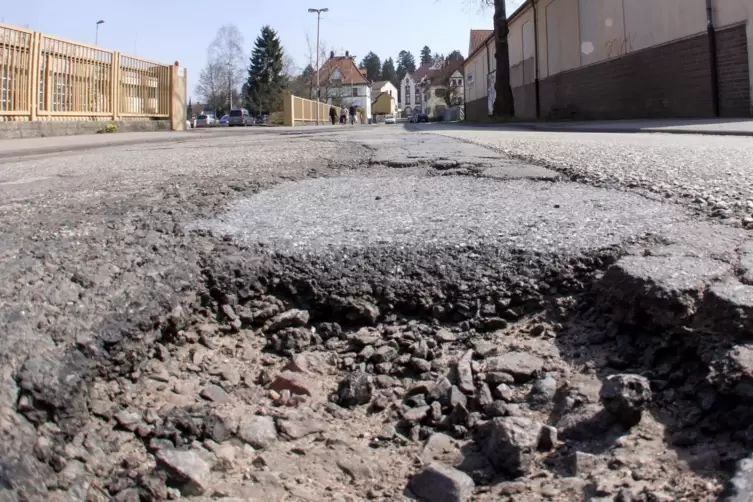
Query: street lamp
[318, 19]
[96, 35]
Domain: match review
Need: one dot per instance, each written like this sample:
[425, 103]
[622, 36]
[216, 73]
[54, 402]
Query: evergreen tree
[426, 55]
[189, 110]
[266, 82]
[406, 63]
[389, 73]
[373, 66]
[455, 56]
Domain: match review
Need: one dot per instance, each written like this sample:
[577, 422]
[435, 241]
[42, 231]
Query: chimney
[331, 54]
[347, 54]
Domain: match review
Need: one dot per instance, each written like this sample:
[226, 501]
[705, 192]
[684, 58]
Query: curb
[30, 152]
[636, 130]
[621, 130]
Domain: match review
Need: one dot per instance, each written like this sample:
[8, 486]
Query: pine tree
[455, 56]
[406, 63]
[373, 66]
[189, 110]
[426, 55]
[266, 82]
[389, 73]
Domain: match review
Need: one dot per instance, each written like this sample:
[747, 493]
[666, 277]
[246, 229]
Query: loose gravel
[709, 173]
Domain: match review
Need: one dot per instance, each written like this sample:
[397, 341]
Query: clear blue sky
[172, 30]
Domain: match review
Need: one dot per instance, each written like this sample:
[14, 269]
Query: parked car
[390, 119]
[224, 120]
[240, 117]
[419, 117]
[206, 120]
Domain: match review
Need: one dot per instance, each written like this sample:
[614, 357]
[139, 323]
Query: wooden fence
[48, 78]
[301, 111]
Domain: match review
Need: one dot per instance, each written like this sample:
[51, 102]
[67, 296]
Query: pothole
[345, 368]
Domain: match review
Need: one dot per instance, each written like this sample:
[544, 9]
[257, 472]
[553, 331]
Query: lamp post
[96, 33]
[318, 20]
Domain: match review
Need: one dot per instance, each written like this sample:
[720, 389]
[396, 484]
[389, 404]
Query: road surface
[271, 314]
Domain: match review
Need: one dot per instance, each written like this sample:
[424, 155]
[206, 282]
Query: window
[440, 93]
[355, 92]
[407, 94]
[470, 80]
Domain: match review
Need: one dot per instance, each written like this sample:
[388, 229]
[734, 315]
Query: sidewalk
[55, 144]
[719, 127]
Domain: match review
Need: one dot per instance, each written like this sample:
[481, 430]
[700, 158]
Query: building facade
[410, 96]
[442, 87]
[384, 98]
[613, 59]
[343, 84]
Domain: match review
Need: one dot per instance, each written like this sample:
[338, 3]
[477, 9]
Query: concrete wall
[48, 128]
[475, 70]
[563, 36]
[579, 35]
[602, 30]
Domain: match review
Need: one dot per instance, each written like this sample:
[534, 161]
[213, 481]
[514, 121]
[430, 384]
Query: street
[363, 313]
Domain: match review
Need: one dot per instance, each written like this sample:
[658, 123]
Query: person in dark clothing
[332, 114]
[352, 114]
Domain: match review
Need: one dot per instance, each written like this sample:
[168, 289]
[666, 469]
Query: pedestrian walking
[352, 114]
[343, 115]
[332, 114]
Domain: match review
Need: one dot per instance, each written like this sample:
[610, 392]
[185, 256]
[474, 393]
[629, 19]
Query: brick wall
[525, 101]
[670, 80]
[734, 74]
[477, 109]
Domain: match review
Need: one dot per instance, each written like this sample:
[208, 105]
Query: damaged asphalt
[141, 288]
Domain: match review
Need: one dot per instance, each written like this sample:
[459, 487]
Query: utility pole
[96, 33]
[318, 20]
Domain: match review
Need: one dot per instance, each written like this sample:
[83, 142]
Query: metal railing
[48, 78]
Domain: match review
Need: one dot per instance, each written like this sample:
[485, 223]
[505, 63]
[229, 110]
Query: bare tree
[311, 57]
[211, 87]
[503, 101]
[226, 52]
[289, 68]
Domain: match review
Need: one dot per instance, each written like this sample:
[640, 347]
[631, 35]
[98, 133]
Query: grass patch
[108, 129]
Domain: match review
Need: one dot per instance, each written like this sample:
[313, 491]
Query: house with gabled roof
[442, 86]
[342, 83]
[410, 99]
[383, 98]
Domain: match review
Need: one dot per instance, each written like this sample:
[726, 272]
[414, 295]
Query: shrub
[109, 128]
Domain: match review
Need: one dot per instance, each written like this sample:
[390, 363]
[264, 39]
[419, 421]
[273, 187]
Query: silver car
[240, 117]
[206, 120]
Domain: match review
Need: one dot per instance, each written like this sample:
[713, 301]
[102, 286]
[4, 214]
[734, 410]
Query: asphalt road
[96, 246]
[710, 174]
